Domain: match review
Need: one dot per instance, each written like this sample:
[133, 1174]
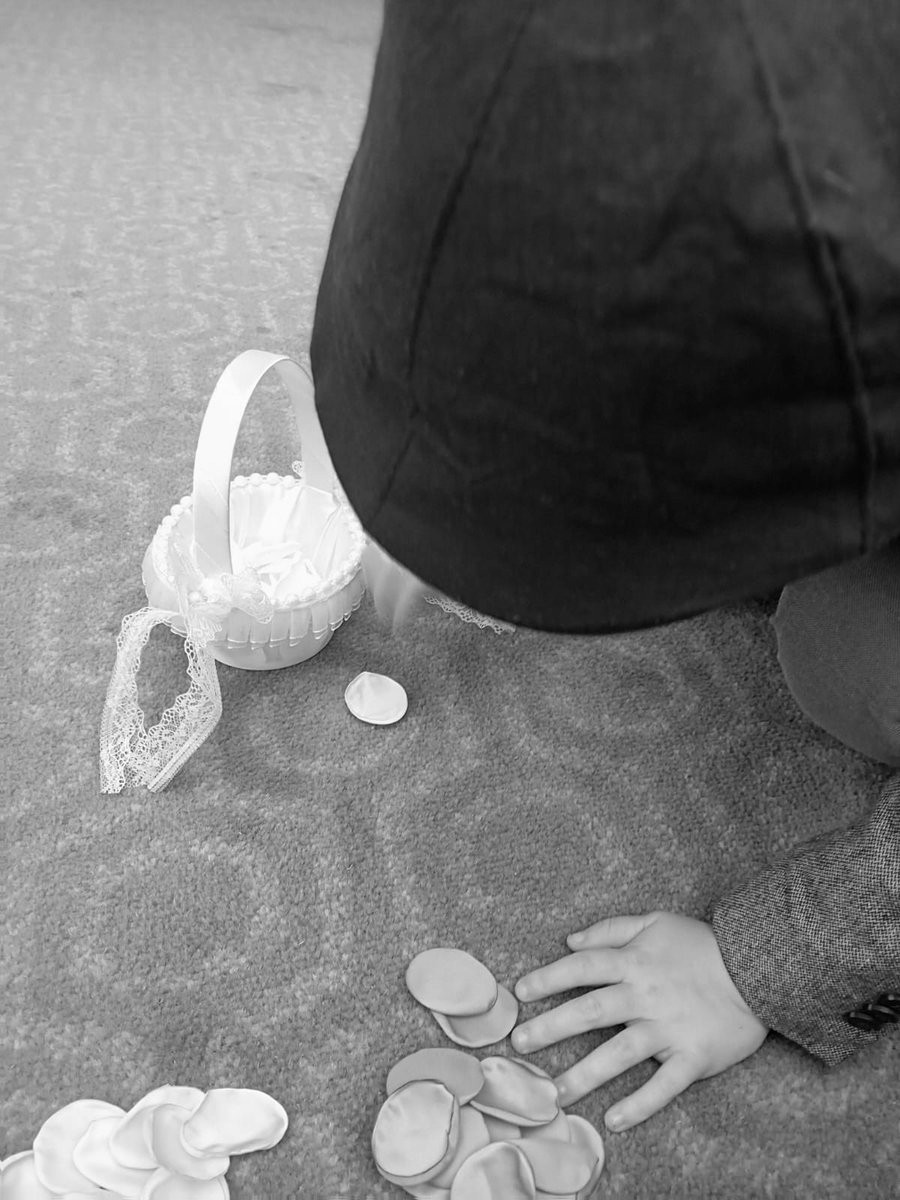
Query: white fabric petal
[559, 1168]
[132, 1143]
[168, 1121]
[585, 1134]
[94, 1159]
[451, 981]
[89, 1195]
[485, 1029]
[171, 1093]
[377, 699]
[168, 1185]
[517, 1091]
[235, 1121]
[500, 1170]
[18, 1180]
[416, 1132]
[56, 1141]
[460, 1073]
[473, 1136]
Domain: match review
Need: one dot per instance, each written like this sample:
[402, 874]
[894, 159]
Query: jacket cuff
[817, 937]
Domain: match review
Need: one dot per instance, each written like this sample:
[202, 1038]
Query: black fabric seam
[456, 186]
[447, 209]
[829, 273]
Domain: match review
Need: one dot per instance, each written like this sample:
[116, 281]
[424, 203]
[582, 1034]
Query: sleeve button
[885, 1014]
[862, 1020]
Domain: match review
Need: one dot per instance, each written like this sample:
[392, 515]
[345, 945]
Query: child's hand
[666, 981]
[396, 591]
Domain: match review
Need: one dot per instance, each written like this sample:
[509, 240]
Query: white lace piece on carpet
[470, 615]
[131, 754]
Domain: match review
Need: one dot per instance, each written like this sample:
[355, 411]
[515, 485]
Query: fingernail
[521, 1040]
[576, 939]
[523, 991]
[615, 1122]
[562, 1091]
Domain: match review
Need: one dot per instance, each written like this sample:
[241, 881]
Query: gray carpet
[170, 172]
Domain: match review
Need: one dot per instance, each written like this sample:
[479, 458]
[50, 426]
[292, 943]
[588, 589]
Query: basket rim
[343, 576]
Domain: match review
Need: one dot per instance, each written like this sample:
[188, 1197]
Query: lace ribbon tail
[202, 727]
[131, 754]
[117, 730]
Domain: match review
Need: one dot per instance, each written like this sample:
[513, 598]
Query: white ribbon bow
[205, 606]
[129, 752]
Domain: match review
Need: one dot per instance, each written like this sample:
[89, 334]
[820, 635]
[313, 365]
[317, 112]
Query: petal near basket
[305, 546]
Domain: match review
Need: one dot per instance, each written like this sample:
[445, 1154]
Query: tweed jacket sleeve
[816, 937]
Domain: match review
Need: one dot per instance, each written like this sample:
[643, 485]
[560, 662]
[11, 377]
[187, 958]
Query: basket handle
[215, 449]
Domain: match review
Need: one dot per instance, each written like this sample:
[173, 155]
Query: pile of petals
[463, 996]
[175, 1144]
[458, 1128]
[455, 1127]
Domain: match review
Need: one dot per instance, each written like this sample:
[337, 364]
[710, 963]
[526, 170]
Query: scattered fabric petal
[517, 1091]
[557, 1130]
[91, 1150]
[503, 1131]
[499, 1172]
[452, 982]
[559, 1168]
[460, 1073]
[416, 1132]
[171, 1093]
[168, 1185]
[99, 1195]
[473, 1136]
[55, 1144]
[132, 1143]
[485, 1029]
[19, 1181]
[94, 1158]
[234, 1121]
[377, 699]
[168, 1122]
[584, 1134]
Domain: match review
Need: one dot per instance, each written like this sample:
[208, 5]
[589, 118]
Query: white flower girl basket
[257, 573]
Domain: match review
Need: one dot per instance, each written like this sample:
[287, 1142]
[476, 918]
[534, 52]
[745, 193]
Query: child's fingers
[591, 969]
[611, 931]
[670, 1080]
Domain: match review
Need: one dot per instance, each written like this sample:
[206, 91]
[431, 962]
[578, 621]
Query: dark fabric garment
[608, 333]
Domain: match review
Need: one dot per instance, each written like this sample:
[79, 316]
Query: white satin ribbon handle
[215, 449]
[130, 754]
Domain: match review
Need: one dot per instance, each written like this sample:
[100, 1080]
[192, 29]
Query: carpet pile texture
[170, 173]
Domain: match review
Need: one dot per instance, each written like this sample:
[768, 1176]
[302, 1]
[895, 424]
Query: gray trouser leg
[839, 647]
